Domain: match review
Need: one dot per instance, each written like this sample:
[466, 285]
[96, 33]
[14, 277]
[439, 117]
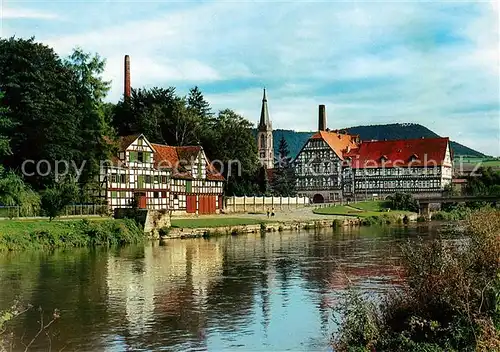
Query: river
[246, 292]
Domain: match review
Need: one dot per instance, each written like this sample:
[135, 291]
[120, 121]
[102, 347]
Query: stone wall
[151, 220]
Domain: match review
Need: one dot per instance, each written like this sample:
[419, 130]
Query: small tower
[265, 136]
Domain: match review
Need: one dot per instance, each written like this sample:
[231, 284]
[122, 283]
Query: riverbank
[357, 214]
[44, 234]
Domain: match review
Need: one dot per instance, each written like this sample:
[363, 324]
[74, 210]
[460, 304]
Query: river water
[246, 292]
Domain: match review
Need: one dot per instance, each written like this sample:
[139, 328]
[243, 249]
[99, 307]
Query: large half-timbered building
[155, 176]
[335, 165]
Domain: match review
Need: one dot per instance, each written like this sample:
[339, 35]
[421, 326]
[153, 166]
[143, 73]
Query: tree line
[54, 108]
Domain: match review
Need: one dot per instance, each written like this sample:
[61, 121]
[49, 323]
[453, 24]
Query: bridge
[424, 202]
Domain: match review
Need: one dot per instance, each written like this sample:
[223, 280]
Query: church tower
[265, 136]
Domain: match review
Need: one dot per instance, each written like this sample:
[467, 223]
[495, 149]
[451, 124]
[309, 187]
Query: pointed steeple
[265, 122]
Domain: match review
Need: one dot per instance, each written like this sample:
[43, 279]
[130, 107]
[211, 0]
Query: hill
[379, 132]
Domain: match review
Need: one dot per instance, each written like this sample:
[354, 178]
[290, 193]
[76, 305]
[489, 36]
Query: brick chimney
[322, 118]
[126, 92]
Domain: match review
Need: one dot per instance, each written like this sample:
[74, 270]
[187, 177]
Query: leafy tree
[53, 105]
[284, 181]
[58, 196]
[6, 126]
[14, 192]
[89, 70]
[263, 181]
[403, 201]
[196, 102]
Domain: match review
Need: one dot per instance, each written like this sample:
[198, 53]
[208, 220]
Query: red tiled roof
[429, 151]
[165, 157]
[175, 158]
[339, 142]
[188, 152]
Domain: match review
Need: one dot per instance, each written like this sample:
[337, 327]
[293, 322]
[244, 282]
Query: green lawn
[359, 209]
[370, 205]
[214, 222]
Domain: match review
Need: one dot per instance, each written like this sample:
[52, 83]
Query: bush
[55, 198]
[402, 201]
[451, 300]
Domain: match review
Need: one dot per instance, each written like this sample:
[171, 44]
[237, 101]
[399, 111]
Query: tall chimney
[322, 118]
[126, 92]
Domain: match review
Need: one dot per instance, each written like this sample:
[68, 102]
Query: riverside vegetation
[39, 234]
[450, 302]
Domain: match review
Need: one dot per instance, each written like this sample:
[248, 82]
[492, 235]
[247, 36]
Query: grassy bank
[41, 234]
[362, 210]
[213, 222]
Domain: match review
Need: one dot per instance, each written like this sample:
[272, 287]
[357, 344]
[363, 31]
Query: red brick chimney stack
[322, 118]
[126, 92]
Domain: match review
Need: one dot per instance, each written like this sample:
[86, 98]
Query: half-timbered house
[318, 166]
[418, 166]
[335, 165]
[155, 176]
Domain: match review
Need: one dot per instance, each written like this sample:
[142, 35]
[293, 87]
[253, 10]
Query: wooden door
[191, 204]
[141, 200]
[207, 204]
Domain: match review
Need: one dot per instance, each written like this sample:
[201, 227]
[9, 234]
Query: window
[157, 179]
[164, 194]
[176, 196]
[156, 195]
[164, 179]
[148, 178]
[188, 186]
[139, 141]
[133, 156]
[123, 178]
[113, 194]
[123, 194]
[140, 156]
[113, 178]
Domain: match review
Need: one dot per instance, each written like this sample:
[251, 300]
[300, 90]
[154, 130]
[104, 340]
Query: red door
[191, 204]
[207, 204]
[221, 199]
[141, 201]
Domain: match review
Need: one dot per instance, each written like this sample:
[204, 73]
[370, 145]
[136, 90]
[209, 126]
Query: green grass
[485, 162]
[42, 234]
[214, 222]
[370, 205]
[364, 209]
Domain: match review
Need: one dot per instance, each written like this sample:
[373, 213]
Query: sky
[370, 62]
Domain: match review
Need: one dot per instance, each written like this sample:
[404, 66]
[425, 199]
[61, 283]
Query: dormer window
[383, 158]
[413, 157]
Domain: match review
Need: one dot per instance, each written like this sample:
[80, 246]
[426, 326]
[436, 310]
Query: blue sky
[370, 62]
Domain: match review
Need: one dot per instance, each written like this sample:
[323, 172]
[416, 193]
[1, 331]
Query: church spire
[265, 122]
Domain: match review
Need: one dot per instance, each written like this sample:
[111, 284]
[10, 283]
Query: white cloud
[24, 13]
[370, 62]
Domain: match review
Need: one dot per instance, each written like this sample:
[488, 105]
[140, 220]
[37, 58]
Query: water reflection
[247, 292]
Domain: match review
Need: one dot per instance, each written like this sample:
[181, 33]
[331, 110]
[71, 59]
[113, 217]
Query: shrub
[451, 300]
[402, 201]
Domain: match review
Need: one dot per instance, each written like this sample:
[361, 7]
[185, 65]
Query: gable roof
[175, 158]
[338, 142]
[429, 152]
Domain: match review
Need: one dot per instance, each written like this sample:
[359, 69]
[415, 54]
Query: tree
[53, 106]
[89, 70]
[6, 126]
[403, 201]
[15, 192]
[284, 181]
[56, 197]
[196, 102]
[283, 153]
